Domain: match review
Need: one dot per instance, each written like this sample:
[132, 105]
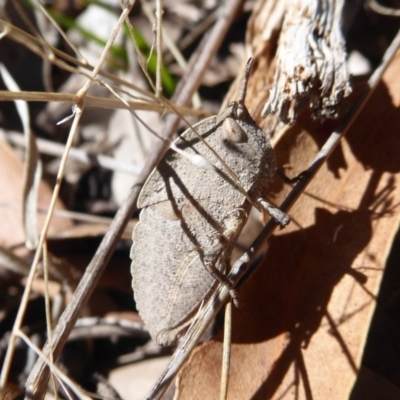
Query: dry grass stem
[99, 102]
[60, 31]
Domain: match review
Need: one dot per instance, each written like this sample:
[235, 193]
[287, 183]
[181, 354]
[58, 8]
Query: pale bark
[311, 67]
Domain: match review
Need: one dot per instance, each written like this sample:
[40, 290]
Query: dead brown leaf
[11, 183]
[10, 391]
[306, 310]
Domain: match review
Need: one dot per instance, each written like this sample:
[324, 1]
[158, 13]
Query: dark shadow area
[290, 291]
[382, 349]
[296, 289]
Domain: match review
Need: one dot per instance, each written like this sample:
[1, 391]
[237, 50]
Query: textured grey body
[191, 216]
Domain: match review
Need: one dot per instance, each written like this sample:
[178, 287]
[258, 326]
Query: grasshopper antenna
[245, 79]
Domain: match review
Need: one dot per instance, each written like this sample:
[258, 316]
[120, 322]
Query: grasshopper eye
[233, 132]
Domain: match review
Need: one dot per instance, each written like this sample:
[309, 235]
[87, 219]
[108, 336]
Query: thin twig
[59, 30]
[383, 10]
[197, 31]
[226, 351]
[199, 62]
[174, 51]
[222, 294]
[49, 321]
[95, 327]
[60, 375]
